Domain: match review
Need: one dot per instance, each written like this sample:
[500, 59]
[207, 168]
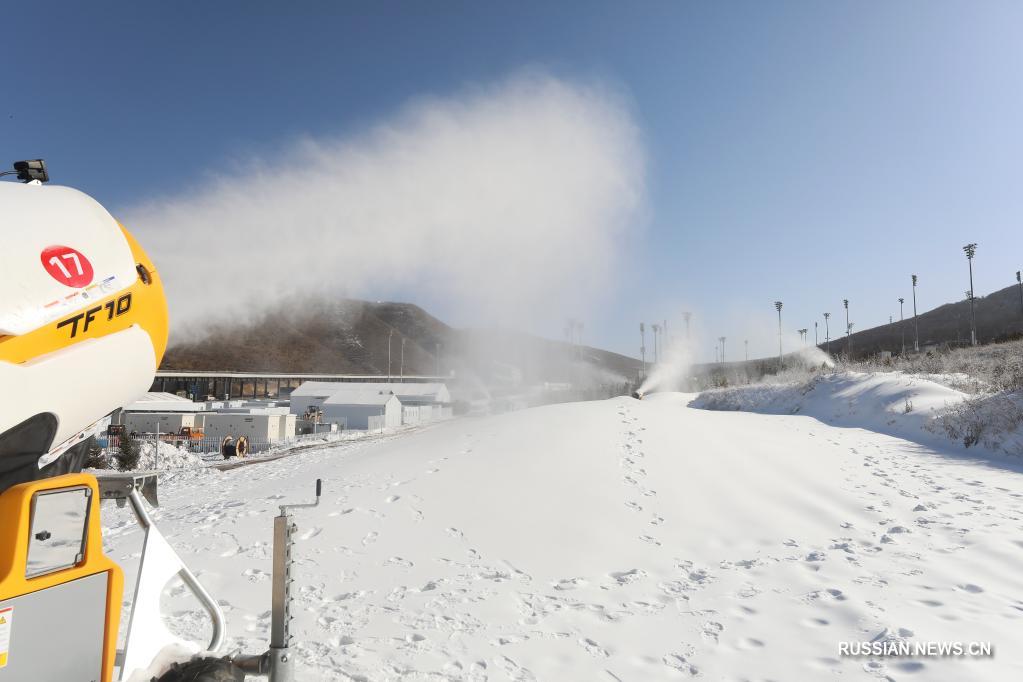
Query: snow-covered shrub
[990, 421]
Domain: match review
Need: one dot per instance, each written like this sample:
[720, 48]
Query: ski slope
[613, 540]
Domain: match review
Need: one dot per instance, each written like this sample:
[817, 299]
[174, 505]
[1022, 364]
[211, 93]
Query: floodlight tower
[971, 250]
[746, 342]
[802, 335]
[902, 328]
[401, 366]
[848, 327]
[777, 306]
[916, 324]
[642, 345]
[815, 341]
[1020, 283]
[827, 332]
[655, 329]
[686, 317]
[390, 333]
[722, 340]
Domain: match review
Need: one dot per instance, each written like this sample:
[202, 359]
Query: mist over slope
[350, 336]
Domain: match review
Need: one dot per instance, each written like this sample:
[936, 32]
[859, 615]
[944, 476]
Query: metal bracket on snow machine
[117, 487]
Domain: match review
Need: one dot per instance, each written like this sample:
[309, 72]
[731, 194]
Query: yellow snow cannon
[83, 327]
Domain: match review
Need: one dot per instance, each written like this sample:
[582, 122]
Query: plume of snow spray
[500, 205]
[670, 372]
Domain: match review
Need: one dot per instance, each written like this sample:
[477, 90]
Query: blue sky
[807, 152]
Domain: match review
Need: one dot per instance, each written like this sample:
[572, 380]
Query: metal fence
[210, 449]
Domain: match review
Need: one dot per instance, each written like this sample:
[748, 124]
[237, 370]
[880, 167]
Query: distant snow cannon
[637, 395]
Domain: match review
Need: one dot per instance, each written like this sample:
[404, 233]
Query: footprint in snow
[593, 648]
[370, 538]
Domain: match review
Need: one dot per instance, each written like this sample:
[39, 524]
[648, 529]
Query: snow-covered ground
[615, 540]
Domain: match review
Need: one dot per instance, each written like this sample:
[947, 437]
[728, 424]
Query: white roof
[331, 389]
[156, 401]
[318, 389]
[360, 397]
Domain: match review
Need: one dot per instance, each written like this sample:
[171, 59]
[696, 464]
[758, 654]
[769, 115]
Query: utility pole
[402, 365]
[902, 327]
[777, 306]
[722, 340]
[916, 324]
[390, 333]
[848, 328]
[970, 250]
[827, 332]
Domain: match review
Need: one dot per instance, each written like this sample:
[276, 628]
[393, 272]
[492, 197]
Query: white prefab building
[159, 422]
[258, 428]
[363, 409]
[313, 393]
[421, 402]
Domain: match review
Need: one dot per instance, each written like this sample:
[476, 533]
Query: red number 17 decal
[66, 265]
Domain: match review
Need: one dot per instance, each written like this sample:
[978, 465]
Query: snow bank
[171, 457]
[923, 410]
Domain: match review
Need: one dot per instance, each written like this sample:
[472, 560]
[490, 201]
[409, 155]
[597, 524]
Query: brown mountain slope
[348, 336]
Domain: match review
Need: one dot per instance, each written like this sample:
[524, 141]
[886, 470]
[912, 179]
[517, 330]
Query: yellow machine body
[16, 510]
[71, 352]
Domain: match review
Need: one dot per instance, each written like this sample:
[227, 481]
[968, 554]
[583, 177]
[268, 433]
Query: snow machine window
[58, 530]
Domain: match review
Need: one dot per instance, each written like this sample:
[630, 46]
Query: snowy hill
[913, 407]
[614, 540]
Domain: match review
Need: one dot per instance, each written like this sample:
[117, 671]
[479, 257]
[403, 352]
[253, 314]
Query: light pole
[777, 306]
[902, 327]
[437, 356]
[802, 336]
[642, 345]
[722, 340]
[401, 371]
[848, 327]
[827, 332]
[686, 317]
[390, 333]
[1020, 283]
[916, 324]
[655, 329]
[746, 342]
[815, 341]
[970, 250]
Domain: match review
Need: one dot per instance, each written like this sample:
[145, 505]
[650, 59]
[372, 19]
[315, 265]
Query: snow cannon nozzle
[637, 395]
